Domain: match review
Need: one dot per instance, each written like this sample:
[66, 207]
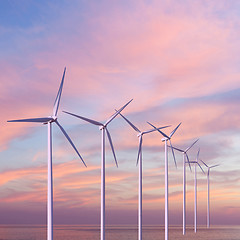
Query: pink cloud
[155, 54]
[180, 64]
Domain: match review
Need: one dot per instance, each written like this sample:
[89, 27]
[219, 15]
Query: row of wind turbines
[105, 132]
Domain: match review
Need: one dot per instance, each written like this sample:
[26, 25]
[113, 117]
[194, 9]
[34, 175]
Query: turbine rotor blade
[204, 163]
[188, 162]
[58, 98]
[191, 145]
[173, 153]
[116, 113]
[70, 141]
[111, 144]
[40, 120]
[178, 149]
[174, 130]
[200, 167]
[215, 166]
[85, 119]
[139, 149]
[128, 121]
[198, 154]
[157, 129]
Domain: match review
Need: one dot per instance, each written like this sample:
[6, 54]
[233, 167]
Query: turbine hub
[164, 139]
[53, 119]
[101, 127]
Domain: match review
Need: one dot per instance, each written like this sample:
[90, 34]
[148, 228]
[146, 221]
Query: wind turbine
[165, 139]
[196, 163]
[103, 128]
[139, 159]
[208, 184]
[185, 156]
[49, 120]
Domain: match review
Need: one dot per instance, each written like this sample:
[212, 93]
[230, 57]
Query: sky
[178, 60]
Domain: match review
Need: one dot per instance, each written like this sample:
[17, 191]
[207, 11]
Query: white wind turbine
[185, 156]
[196, 163]
[208, 189]
[165, 139]
[49, 120]
[103, 128]
[139, 160]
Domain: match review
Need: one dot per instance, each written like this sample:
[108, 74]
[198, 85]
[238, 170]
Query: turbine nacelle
[54, 118]
[102, 127]
[165, 139]
[51, 120]
[140, 134]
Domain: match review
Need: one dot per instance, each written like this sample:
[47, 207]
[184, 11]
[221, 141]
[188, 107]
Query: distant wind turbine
[139, 160]
[165, 139]
[185, 156]
[49, 120]
[103, 128]
[196, 163]
[208, 189]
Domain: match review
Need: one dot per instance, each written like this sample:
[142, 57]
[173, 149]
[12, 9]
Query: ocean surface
[76, 232]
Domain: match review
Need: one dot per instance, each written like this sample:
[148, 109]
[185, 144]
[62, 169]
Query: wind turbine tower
[185, 156]
[49, 120]
[165, 139]
[196, 163]
[208, 190]
[103, 128]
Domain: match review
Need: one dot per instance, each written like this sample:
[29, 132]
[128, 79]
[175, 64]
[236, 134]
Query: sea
[83, 232]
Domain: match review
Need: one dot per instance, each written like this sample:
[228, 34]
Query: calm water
[76, 232]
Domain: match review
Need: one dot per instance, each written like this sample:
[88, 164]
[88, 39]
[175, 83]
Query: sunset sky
[178, 60]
